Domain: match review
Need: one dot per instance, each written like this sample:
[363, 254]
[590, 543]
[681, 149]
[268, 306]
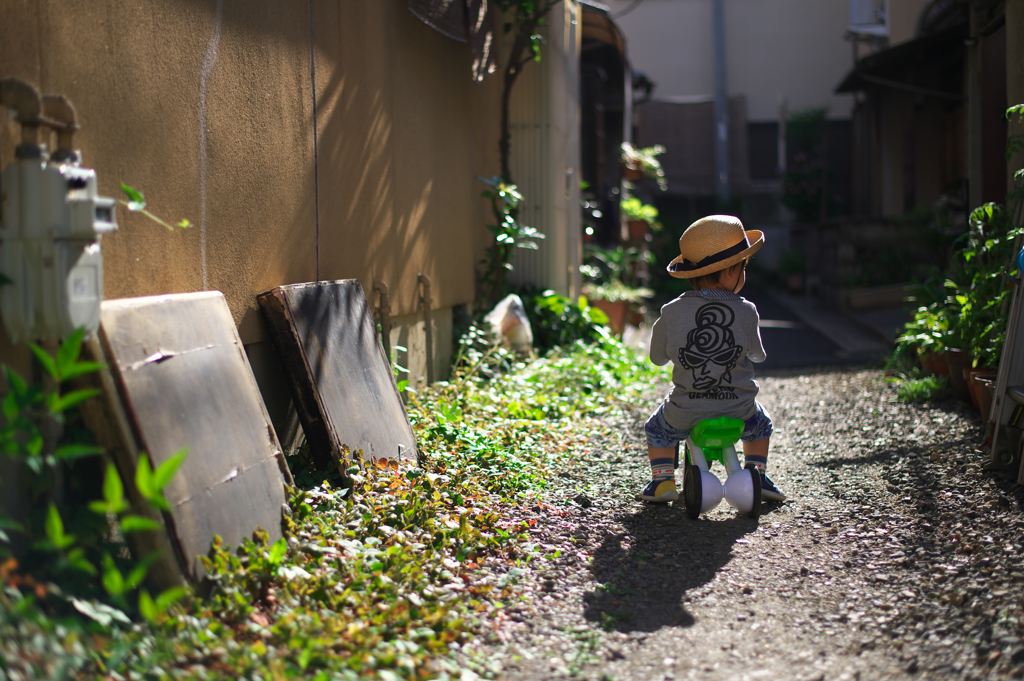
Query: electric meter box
[52, 224]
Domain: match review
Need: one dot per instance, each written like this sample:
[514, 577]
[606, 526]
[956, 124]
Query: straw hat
[714, 243]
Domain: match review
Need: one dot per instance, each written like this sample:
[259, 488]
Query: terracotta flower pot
[638, 230]
[971, 374]
[616, 311]
[636, 316]
[972, 389]
[927, 362]
[958, 360]
[986, 388]
[939, 364]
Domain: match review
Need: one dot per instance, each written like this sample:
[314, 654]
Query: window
[869, 17]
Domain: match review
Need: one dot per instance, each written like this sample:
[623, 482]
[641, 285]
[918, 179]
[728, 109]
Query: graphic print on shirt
[711, 353]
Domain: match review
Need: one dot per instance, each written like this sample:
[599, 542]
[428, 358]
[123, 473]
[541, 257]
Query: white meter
[49, 247]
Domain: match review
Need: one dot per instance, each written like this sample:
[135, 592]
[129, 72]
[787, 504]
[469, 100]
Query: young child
[711, 337]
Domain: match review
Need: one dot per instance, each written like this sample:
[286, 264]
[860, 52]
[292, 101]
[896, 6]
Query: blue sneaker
[769, 491]
[660, 491]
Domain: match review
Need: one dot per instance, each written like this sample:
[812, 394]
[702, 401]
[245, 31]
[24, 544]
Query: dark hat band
[687, 266]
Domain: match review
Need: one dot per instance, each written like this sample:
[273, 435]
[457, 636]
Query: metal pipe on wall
[721, 102]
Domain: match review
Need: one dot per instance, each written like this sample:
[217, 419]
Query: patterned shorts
[661, 434]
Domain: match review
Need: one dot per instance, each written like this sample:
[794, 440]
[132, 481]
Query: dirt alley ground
[896, 555]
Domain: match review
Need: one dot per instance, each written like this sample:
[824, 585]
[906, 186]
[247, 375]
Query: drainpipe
[721, 102]
[426, 302]
[781, 143]
[24, 100]
[60, 116]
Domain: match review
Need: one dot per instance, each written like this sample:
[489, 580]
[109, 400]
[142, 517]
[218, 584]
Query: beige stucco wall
[774, 49]
[384, 189]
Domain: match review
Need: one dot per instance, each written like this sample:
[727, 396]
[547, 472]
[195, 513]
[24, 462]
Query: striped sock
[760, 462]
[663, 469]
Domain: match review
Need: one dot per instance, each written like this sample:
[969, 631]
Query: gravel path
[896, 556]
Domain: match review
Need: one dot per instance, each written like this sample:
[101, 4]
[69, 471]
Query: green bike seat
[713, 435]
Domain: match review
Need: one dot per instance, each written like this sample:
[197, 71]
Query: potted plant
[615, 299]
[928, 334]
[638, 163]
[640, 217]
[610, 282]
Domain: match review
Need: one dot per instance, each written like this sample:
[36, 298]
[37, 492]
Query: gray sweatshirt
[711, 338]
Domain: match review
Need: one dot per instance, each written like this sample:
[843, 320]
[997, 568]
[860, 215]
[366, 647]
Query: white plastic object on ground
[509, 325]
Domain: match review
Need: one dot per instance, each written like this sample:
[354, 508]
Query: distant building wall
[774, 49]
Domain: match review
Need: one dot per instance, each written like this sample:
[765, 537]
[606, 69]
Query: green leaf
[135, 199]
[147, 607]
[74, 451]
[5, 280]
[160, 501]
[77, 560]
[74, 398]
[167, 469]
[144, 477]
[10, 409]
[69, 350]
[35, 463]
[136, 576]
[113, 580]
[79, 368]
[47, 362]
[183, 224]
[113, 489]
[145, 481]
[55, 529]
[278, 551]
[18, 386]
[138, 523]
[99, 507]
[307, 653]
[170, 596]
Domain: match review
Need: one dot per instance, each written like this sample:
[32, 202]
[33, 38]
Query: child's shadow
[644, 574]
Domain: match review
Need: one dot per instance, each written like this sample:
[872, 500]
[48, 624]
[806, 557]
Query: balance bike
[715, 440]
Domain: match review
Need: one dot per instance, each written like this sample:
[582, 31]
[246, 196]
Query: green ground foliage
[384, 578]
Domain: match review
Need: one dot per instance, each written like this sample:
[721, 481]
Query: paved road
[788, 342]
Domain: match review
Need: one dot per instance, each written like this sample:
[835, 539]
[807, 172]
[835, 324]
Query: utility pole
[721, 102]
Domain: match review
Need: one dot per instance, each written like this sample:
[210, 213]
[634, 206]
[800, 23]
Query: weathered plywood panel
[341, 381]
[185, 382]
